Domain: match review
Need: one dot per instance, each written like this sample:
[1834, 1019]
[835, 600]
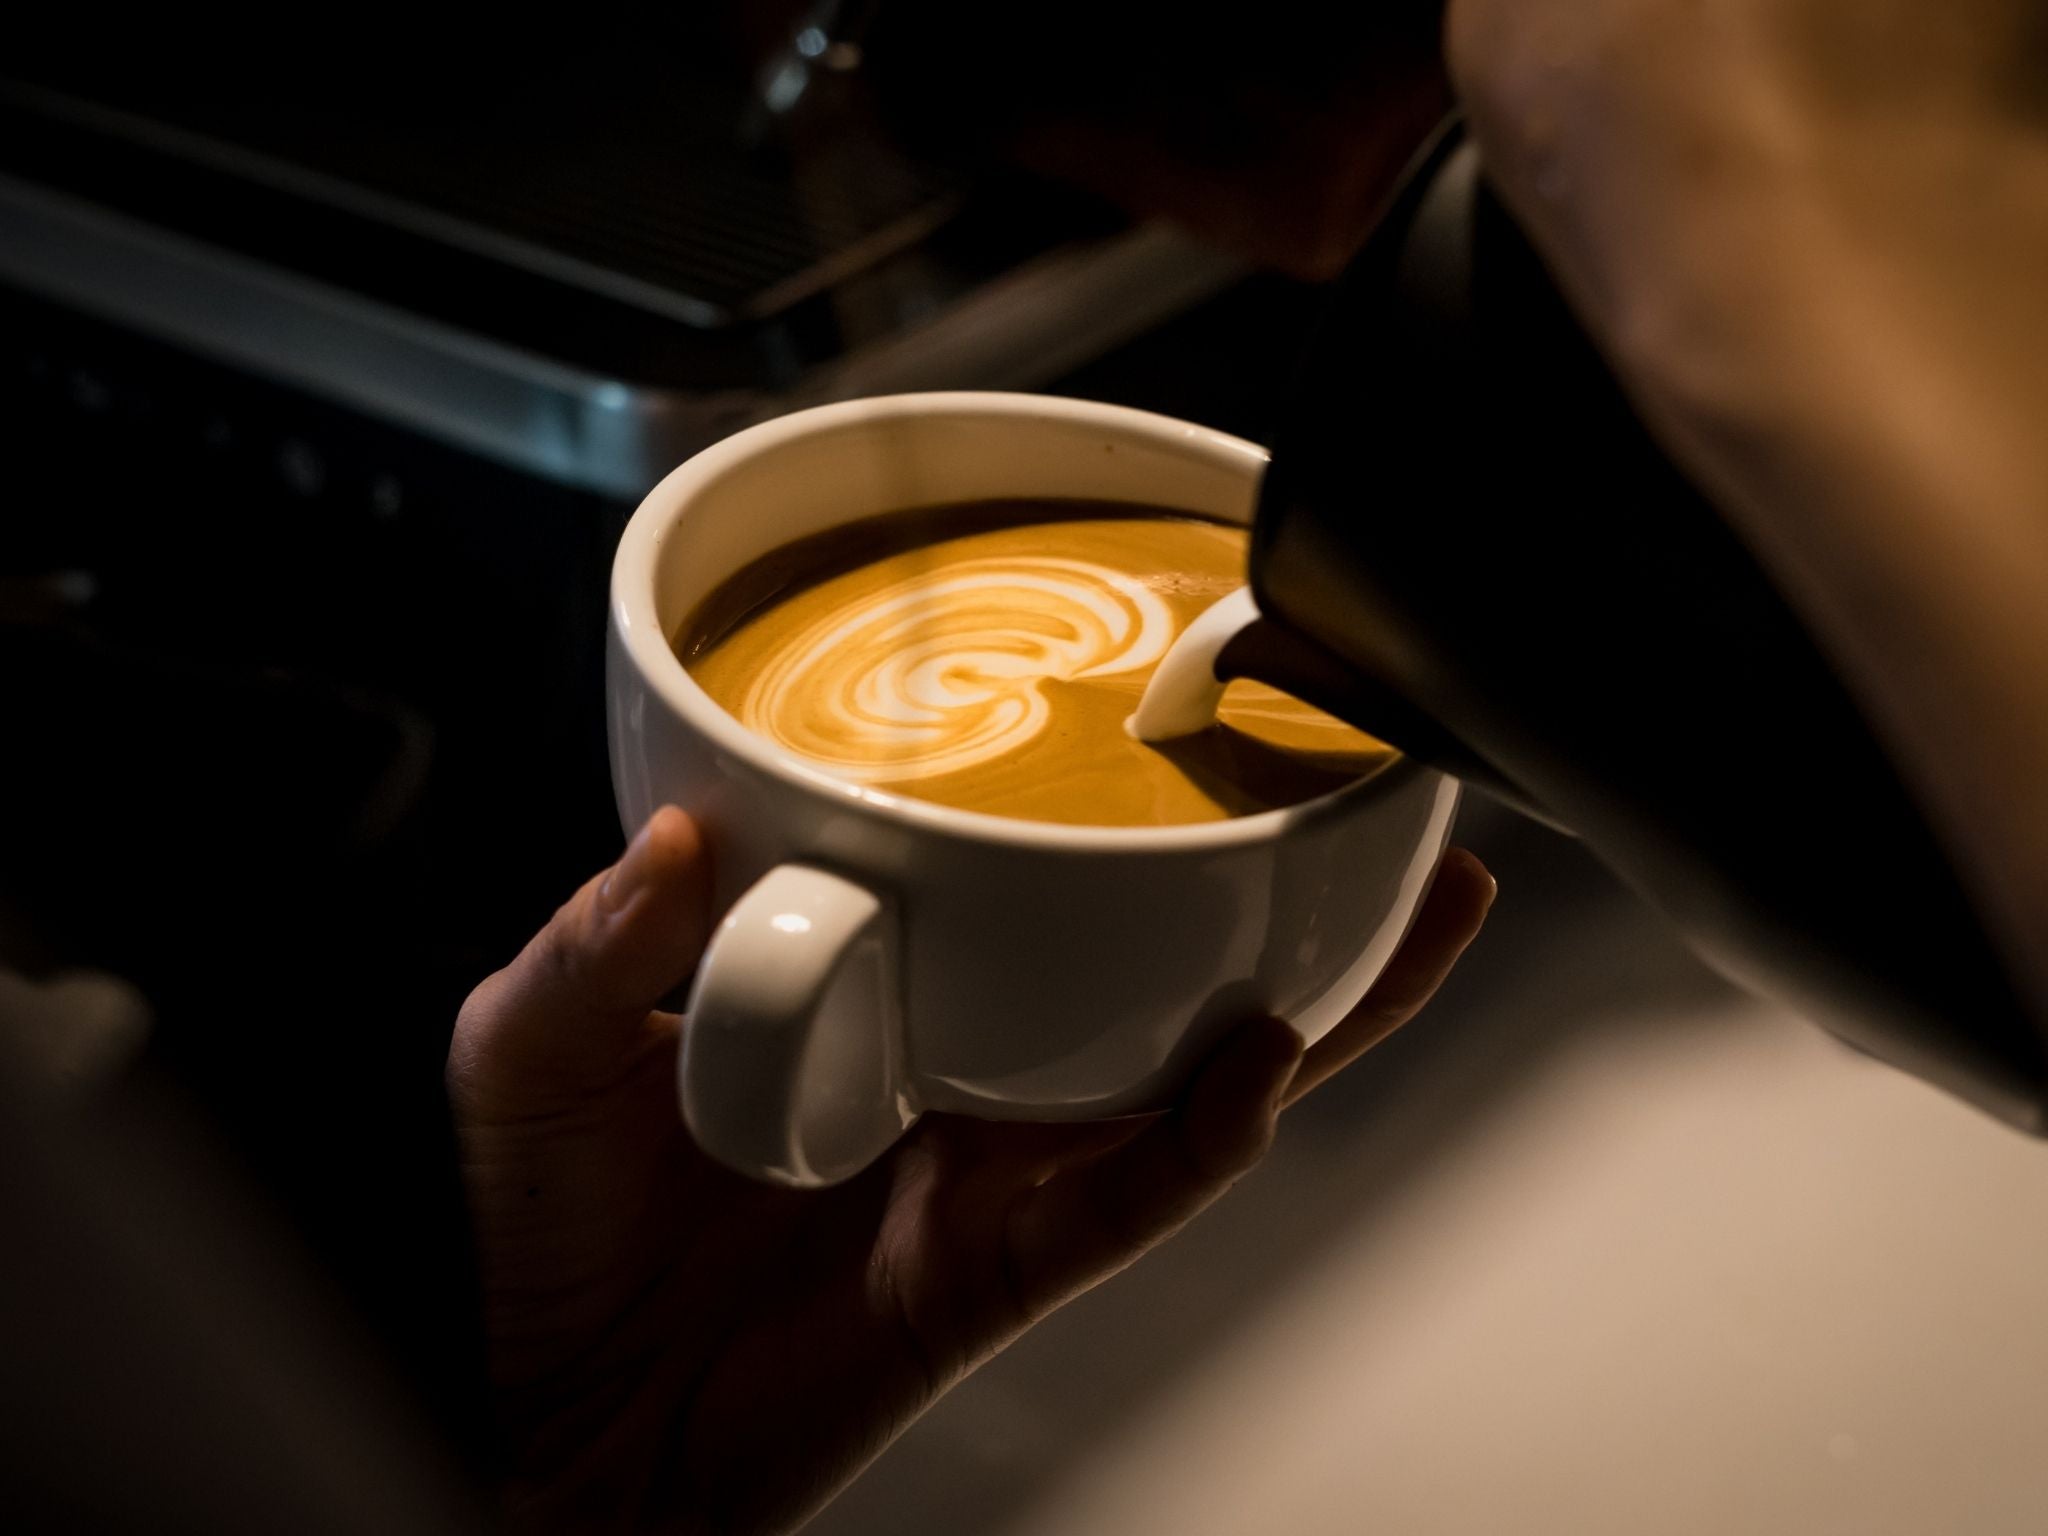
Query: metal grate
[651, 196]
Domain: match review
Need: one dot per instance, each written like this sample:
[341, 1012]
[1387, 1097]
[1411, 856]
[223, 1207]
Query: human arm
[1810, 235]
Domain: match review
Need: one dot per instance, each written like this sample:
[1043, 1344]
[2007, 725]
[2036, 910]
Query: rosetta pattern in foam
[941, 672]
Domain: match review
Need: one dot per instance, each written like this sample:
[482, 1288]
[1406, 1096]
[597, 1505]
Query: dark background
[305, 710]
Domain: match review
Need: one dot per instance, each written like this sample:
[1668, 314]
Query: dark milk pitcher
[1469, 546]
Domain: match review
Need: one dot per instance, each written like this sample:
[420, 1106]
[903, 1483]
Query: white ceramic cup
[879, 956]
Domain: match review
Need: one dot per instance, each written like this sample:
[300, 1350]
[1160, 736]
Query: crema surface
[992, 669]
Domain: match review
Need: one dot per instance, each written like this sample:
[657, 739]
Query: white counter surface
[1599, 1246]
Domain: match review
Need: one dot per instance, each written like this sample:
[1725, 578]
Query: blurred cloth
[1277, 134]
[210, 903]
[171, 1365]
[74, 1030]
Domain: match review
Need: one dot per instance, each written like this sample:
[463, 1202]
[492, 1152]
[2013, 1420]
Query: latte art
[987, 656]
[942, 672]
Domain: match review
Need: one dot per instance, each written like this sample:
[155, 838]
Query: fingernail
[628, 877]
[1492, 885]
[1473, 864]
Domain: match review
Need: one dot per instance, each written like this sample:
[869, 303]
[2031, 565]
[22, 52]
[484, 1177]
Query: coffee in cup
[987, 656]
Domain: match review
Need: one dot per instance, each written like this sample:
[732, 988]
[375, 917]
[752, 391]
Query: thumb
[577, 997]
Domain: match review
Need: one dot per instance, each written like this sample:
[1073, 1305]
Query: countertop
[1597, 1245]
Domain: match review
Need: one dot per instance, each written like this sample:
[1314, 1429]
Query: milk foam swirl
[941, 672]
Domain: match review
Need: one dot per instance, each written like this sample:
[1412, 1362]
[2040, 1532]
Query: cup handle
[792, 1068]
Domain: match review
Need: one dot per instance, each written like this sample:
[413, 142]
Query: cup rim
[636, 625]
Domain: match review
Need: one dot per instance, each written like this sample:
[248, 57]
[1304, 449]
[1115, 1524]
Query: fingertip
[665, 857]
[1469, 866]
[1256, 1055]
[1464, 879]
[672, 829]
[1231, 1110]
[1272, 1044]
[675, 850]
[581, 988]
[652, 909]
